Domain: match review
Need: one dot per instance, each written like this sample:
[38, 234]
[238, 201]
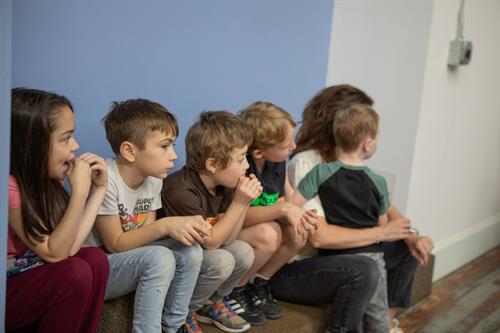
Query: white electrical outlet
[460, 52]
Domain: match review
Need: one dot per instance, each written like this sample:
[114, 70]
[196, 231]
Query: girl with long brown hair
[53, 284]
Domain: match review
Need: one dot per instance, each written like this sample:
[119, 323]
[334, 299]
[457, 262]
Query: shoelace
[263, 292]
[192, 322]
[244, 298]
[228, 307]
[222, 309]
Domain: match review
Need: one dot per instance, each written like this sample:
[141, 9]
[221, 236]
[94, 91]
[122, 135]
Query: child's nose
[75, 146]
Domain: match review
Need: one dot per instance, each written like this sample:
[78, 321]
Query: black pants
[401, 267]
[345, 281]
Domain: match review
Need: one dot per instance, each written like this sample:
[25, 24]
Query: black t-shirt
[351, 196]
[272, 179]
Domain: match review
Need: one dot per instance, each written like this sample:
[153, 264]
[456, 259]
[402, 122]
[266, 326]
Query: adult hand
[420, 247]
[395, 229]
[309, 221]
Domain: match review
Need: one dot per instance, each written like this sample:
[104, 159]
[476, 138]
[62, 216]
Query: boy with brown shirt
[213, 184]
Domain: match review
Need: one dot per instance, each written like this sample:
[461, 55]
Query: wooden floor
[467, 301]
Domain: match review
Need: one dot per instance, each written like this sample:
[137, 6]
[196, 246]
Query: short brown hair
[216, 134]
[134, 119]
[353, 124]
[269, 124]
[316, 131]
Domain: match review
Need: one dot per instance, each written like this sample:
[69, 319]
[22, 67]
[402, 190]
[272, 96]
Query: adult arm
[336, 237]
[420, 246]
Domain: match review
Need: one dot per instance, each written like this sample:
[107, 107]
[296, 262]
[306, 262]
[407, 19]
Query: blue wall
[190, 56]
[5, 82]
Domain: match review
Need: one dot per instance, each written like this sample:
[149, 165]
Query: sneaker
[268, 304]
[190, 325]
[395, 327]
[241, 301]
[223, 317]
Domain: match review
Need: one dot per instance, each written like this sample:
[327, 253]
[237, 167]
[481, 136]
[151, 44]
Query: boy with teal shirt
[353, 196]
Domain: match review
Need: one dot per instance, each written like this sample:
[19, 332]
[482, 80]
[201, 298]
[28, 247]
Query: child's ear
[128, 150]
[367, 144]
[211, 165]
[257, 153]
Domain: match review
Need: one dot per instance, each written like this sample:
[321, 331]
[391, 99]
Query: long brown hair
[316, 131]
[43, 199]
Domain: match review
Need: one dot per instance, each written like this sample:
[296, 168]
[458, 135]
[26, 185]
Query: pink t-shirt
[15, 246]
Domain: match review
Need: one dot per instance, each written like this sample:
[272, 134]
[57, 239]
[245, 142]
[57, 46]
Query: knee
[220, 265]
[268, 236]
[159, 261]
[368, 272]
[291, 241]
[244, 256]
[189, 257]
[97, 259]
[75, 273]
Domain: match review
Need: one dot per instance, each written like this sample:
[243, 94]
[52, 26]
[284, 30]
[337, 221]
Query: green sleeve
[310, 184]
[381, 185]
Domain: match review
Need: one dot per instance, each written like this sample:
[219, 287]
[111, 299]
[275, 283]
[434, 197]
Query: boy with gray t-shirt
[158, 258]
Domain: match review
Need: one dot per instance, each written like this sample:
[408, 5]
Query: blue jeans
[348, 282]
[163, 276]
[401, 267]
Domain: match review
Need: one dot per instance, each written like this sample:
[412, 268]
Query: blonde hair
[215, 135]
[353, 124]
[269, 124]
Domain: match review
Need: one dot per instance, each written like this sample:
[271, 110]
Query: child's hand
[79, 176]
[309, 222]
[187, 229]
[248, 189]
[99, 175]
[292, 214]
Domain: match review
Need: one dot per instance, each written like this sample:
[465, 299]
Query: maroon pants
[66, 296]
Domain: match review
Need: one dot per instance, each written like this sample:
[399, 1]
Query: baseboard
[459, 249]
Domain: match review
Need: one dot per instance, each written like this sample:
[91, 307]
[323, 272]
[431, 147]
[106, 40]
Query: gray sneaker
[223, 317]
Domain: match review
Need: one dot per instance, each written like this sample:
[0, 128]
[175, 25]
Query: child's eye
[165, 146]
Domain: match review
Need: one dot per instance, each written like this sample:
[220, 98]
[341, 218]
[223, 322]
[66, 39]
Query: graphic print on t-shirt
[138, 216]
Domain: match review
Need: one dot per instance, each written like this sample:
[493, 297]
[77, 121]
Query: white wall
[440, 129]
[380, 46]
[455, 184]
